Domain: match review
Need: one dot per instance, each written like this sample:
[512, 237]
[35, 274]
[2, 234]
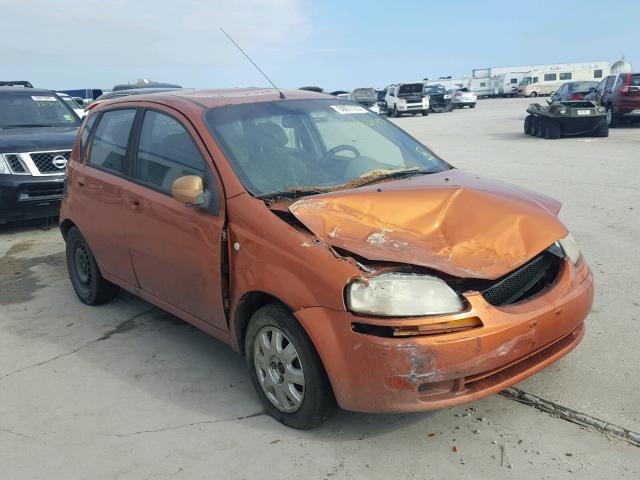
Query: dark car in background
[619, 94]
[439, 99]
[37, 132]
[573, 91]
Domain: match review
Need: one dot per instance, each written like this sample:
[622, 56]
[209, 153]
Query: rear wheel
[541, 127]
[286, 370]
[602, 130]
[86, 279]
[552, 130]
[533, 94]
[613, 119]
[528, 125]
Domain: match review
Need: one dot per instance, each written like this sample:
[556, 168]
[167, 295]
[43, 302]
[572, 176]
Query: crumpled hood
[454, 222]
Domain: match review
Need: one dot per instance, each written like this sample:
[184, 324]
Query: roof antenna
[252, 62]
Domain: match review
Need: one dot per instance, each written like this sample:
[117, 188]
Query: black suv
[37, 131]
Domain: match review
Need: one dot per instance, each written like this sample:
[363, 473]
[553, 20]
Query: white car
[462, 97]
[71, 103]
[407, 98]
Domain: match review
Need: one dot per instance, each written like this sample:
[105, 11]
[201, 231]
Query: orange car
[343, 258]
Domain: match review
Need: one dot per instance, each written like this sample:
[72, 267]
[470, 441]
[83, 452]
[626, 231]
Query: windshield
[28, 109]
[582, 86]
[364, 94]
[411, 88]
[526, 81]
[314, 144]
[434, 89]
[71, 103]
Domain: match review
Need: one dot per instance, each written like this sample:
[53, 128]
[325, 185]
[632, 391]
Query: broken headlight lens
[570, 248]
[402, 295]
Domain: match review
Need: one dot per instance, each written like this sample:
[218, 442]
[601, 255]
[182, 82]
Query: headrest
[270, 135]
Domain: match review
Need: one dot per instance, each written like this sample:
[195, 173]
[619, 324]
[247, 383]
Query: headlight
[402, 295]
[4, 166]
[570, 248]
[447, 97]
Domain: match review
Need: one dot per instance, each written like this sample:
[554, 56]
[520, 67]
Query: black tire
[602, 130]
[396, 113]
[388, 112]
[541, 127]
[426, 112]
[86, 279]
[613, 118]
[318, 401]
[535, 124]
[473, 105]
[528, 124]
[533, 94]
[552, 130]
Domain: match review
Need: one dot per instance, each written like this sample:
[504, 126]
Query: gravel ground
[127, 391]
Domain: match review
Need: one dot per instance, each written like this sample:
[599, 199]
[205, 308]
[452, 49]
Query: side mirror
[189, 190]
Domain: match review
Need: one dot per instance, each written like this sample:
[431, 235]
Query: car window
[109, 146]
[565, 76]
[634, 81]
[597, 74]
[601, 85]
[548, 77]
[166, 152]
[610, 80]
[86, 131]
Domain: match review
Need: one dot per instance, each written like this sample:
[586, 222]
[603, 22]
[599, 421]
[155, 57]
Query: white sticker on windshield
[39, 98]
[345, 109]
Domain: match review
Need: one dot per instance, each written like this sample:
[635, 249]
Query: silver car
[462, 97]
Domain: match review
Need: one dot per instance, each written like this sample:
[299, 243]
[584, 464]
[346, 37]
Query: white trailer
[506, 84]
[546, 81]
[481, 86]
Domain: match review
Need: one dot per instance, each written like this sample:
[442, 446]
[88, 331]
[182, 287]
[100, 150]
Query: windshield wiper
[368, 179]
[291, 193]
[21, 125]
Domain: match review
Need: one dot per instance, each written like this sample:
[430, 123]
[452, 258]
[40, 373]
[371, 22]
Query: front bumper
[24, 197]
[379, 374]
[413, 107]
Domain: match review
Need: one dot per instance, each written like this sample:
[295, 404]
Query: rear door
[176, 250]
[100, 191]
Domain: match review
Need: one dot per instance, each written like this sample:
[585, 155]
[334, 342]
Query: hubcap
[83, 269]
[279, 369]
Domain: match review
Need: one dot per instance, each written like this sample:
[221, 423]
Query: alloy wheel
[279, 369]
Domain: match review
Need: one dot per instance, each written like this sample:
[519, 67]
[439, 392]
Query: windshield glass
[363, 94]
[434, 89]
[71, 103]
[526, 81]
[411, 88]
[314, 144]
[27, 109]
[581, 86]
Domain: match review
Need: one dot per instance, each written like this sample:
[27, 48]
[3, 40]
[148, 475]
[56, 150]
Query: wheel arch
[249, 304]
[65, 226]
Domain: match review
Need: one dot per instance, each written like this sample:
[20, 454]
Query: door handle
[81, 181]
[135, 205]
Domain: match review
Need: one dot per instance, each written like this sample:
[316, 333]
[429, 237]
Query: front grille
[44, 161]
[42, 190]
[15, 164]
[525, 281]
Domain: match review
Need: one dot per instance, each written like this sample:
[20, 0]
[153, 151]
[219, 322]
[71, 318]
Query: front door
[175, 249]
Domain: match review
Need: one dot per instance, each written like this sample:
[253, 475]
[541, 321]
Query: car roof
[35, 91]
[206, 99]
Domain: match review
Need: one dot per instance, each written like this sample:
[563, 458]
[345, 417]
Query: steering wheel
[338, 148]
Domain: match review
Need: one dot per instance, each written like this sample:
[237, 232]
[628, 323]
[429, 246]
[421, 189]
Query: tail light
[577, 96]
[457, 94]
[627, 83]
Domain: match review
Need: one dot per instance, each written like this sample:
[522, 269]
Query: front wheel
[396, 113]
[286, 370]
[425, 113]
[533, 94]
[86, 279]
[473, 105]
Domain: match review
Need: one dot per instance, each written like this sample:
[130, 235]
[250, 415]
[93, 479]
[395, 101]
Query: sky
[65, 44]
